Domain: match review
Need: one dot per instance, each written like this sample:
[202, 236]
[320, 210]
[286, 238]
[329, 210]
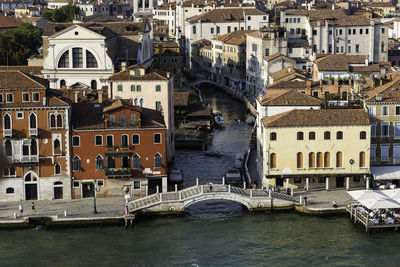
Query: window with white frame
[76, 140]
[136, 161]
[1, 98]
[384, 152]
[373, 130]
[100, 182]
[396, 152]
[76, 163]
[76, 184]
[9, 98]
[110, 141]
[135, 139]
[136, 184]
[372, 111]
[373, 153]
[57, 168]
[99, 163]
[25, 97]
[19, 115]
[157, 138]
[397, 110]
[397, 130]
[384, 129]
[385, 111]
[98, 140]
[157, 161]
[35, 97]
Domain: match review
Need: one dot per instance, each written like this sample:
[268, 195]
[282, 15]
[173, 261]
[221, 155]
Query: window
[125, 163]
[354, 31]
[357, 48]
[373, 153]
[362, 159]
[19, 115]
[327, 135]
[157, 161]
[1, 98]
[311, 135]
[385, 111]
[158, 105]
[311, 160]
[7, 121]
[32, 121]
[299, 160]
[138, 88]
[349, 31]
[25, 97]
[266, 51]
[372, 111]
[64, 60]
[10, 190]
[76, 184]
[254, 47]
[339, 159]
[91, 61]
[321, 180]
[110, 141]
[349, 49]
[384, 129]
[397, 130]
[212, 30]
[314, 32]
[132, 88]
[397, 110]
[76, 140]
[141, 102]
[157, 138]
[100, 183]
[112, 117]
[119, 88]
[124, 140]
[77, 58]
[62, 83]
[135, 139]
[327, 160]
[366, 31]
[194, 29]
[382, 30]
[229, 29]
[339, 135]
[110, 162]
[218, 29]
[248, 18]
[136, 162]
[340, 31]
[361, 31]
[57, 168]
[384, 152]
[363, 135]
[396, 152]
[158, 88]
[272, 161]
[137, 72]
[76, 164]
[136, 184]
[93, 84]
[133, 118]
[122, 118]
[98, 140]
[319, 160]
[300, 136]
[9, 98]
[57, 147]
[272, 136]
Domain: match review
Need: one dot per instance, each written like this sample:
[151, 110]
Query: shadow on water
[220, 209]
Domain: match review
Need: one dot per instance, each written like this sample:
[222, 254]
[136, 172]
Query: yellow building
[314, 148]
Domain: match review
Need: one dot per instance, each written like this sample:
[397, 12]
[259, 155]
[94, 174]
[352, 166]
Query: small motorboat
[233, 176]
[176, 176]
[212, 154]
[219, 119]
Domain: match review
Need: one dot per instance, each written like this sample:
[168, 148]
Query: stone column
[347, 183]
[164, 185]
[307, 183]
[267, 183]
[366, 181]
[327, 183]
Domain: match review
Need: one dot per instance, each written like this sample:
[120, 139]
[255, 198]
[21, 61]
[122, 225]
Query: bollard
[269, 193]
[180, 195]
[244, 185]
[176, 187]
[202, 189]
[157, 189]
[15, 215]
[301, 199]
[65, 213]
[291, 191]
[229, 188]
[161, 197]
[251, 192]
[223, 180]
[197, 181]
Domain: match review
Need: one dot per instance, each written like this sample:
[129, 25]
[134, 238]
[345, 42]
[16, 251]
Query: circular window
[76, 33]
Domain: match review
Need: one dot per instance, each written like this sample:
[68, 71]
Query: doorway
[58, 190]
[87, 190]
[31, 192]
[339, 181]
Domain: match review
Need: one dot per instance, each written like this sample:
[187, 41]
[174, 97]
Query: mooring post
[251, 192]
[157, 189]
[160, 197]
[229, 188]
[15, 215]
[269, 193]
[176, 187]
[197, 181]
[223, 180]
[180, 195]
[65, 213]
[202, 189]
[244, 185]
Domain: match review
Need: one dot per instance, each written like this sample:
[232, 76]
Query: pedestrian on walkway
[33, 206]
[211, 186]
[334, 204]
[21, 208]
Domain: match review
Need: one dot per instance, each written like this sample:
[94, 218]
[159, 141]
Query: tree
[17, 45]
[63, 14]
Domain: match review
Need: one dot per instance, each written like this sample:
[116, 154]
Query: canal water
[208, 234]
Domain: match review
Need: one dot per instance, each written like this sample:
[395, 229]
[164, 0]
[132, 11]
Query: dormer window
[112, 117]
[137, 72]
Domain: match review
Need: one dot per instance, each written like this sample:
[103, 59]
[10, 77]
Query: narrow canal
[209, 234]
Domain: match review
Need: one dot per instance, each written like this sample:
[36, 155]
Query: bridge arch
[198, 82]
[208, 197]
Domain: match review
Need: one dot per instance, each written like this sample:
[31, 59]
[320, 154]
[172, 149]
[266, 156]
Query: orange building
[117, 145]
[35, 137]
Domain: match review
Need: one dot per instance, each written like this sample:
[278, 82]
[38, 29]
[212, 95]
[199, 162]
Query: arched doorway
[58, 190]
[30, 181]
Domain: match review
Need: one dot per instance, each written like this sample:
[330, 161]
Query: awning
[386, 172]
[376, 199]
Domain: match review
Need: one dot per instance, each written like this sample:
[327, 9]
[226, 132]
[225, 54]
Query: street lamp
[94, 195]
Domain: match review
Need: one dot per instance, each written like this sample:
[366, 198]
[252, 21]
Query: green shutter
[138, 88]
[120, 88]
[132, 88]
[158, 88]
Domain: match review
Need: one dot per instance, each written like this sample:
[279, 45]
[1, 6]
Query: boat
[212, 154]
[251, 120]
[233, 176]
[176, 176]
[238, 160]
[219, 119]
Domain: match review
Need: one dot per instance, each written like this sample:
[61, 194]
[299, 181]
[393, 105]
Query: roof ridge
[30, 78]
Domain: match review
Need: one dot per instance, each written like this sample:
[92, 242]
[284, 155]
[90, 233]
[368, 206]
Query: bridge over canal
[178, 201]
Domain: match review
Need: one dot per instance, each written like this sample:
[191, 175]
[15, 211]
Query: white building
[88, 53]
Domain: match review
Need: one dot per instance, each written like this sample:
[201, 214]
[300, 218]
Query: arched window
[99, 163]
[339, 159]
[10, 190]
[300, 136]
[136, 102]
[57, 168]
[76, 164]
[110, 162]
[311, 136]
[141, 102]
[124, 141]
[339, 135]
[62, 83]
[52, 121]
[363, 135]
[272, 161]
[136, 161]
[299, 160]
[327, 160]
[59, 121]
[57, 147]
[327, 135]
[319, 160]
[8, 148]
[7, 121]
[382, 47]
[91, 61]
[311, 160]
[362, 159]
[30, 177]
[34, 148]
[272, 136]
[93, 84]
[64, 60]
[32, 121]
[157, 161]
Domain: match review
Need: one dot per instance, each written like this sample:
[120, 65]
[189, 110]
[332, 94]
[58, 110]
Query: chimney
[123, 66]
[308, 83]
[366, 61]
[100, 96]
[76, 98]
[378, 97]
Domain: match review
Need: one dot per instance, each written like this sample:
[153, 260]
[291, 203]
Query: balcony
[33, 132]
[23, 159]
[7, 132]
[118, 172]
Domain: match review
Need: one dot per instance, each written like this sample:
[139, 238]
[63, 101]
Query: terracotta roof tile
[226, 15]
[9, 22]
[13, 79]
[150, 75]
[289, 98]
[338, 62]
